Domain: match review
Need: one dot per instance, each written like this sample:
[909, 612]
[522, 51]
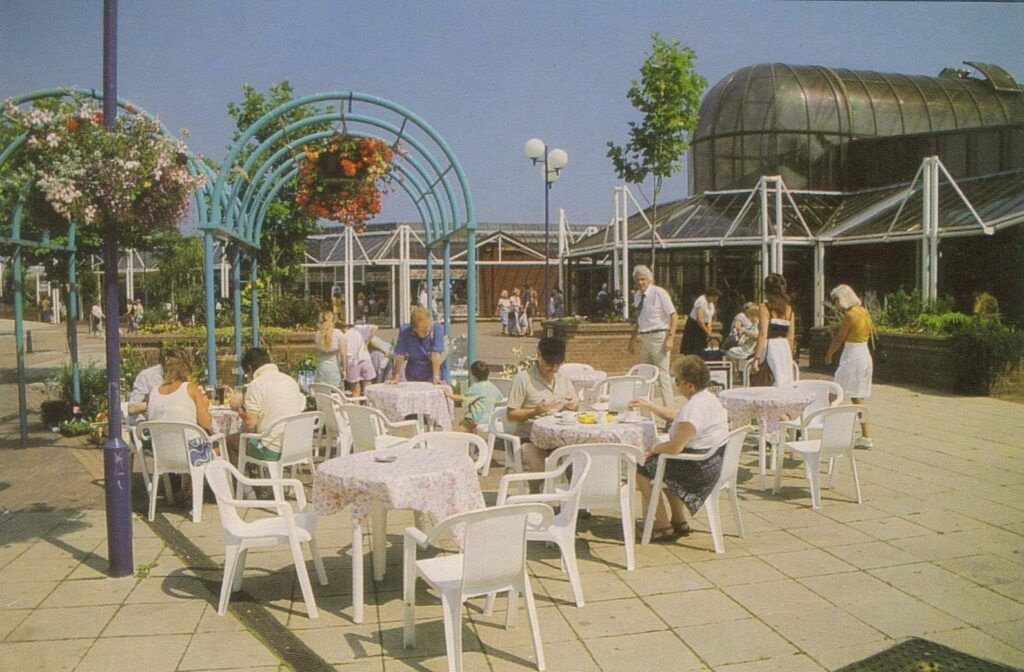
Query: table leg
[357, 572]
[379, 540]
[762, 447]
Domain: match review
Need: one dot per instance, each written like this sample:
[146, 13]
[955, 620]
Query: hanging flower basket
[133, 177]
[342, 178]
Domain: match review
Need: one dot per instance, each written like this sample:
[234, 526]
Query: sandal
[682, 530]
[663, 533]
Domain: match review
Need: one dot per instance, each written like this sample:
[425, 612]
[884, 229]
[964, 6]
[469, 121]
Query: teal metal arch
[17, 241]
[429, 173]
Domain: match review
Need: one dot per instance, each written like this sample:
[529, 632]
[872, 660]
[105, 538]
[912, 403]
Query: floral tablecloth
[404, 399]
[549, 433]
[225, 421]
[586, 380]
[767, 404]
[437, 482]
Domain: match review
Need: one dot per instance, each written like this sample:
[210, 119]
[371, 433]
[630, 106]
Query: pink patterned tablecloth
[548, 433]
[437, 482]
[404, 399]
[586, 380]
[767, 404]
[225, 421]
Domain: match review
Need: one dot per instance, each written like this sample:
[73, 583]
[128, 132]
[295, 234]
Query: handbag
[878, 354]
[763, 377]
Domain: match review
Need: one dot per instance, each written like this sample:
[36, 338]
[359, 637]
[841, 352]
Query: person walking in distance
[656, 322]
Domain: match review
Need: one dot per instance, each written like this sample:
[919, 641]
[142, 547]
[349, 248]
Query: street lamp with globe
[554, 161]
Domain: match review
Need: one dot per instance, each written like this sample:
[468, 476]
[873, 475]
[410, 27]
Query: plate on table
[384, 457]
[629, 419]
[600, 406]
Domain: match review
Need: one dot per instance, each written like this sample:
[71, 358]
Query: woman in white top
[503, 307]
[776, 338]
[698, 327]
[357, 366]
[701, 425]
[743, 337]
[515, 307]
[328, 342]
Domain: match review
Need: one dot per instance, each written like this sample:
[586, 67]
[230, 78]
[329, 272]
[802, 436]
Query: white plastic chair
[336, 392]
[726, 481]
[372, 430]
[169, 441]
[298, 437]
[621, 390]
[288, 527]
[822, 390]
[562, 530]
[610, 484]
[575, 368]
[465, 443]
[336, 436]
[497, 429]
[649, 372]
[493, 559]
[838, 434]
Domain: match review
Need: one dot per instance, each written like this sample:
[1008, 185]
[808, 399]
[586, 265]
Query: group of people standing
[516, 310]
[344, 354]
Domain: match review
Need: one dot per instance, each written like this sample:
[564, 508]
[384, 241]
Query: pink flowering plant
[134, 177]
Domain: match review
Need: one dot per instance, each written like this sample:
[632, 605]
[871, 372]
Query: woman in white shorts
[357, 367]
[855, 364]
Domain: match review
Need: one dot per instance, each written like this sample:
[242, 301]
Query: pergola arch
[427, 171]
[17, 240]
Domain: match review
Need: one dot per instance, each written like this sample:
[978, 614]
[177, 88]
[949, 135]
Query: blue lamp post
[554, 160]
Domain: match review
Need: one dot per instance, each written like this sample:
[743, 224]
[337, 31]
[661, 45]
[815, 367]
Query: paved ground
[935, 551]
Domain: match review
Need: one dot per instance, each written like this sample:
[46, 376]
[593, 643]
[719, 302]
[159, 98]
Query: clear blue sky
[487, 75]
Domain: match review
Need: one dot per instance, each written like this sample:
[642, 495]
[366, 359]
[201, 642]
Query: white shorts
[855, 370]
[360, 371]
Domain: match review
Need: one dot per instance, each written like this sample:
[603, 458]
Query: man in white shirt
[270, 396]
[97, 318]
[147, 381]
[655, 333]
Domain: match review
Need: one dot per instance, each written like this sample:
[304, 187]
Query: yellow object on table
[591, 418]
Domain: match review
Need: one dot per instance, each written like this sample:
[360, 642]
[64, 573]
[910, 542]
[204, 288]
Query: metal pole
[211, 310]
[562, 247]
[76, 391]
[766, 266]
[446, 302]
[777, 243]
[19, 339]
[547, 233]
[117, 463]
[926, 224]
[255, 298]
[350, 290]
[933, 175]
[471, 298]
[429, 283]
[624, 237]
[819, 284]
[236, 310]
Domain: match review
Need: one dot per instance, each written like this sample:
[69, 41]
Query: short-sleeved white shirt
[529, 390]
[273, 395]
[656, 311]
[708, 417]
[355, 347]
[709, 309]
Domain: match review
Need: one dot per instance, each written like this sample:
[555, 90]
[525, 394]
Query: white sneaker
[864, 442]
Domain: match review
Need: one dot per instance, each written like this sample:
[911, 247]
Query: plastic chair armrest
[540, 498]
[688, 457]
[416, 536]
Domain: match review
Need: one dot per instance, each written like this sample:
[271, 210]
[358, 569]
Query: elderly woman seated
[699, 426]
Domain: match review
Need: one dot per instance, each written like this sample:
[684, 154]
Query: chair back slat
[731, 458]
[838, 430]
[219, 474]
[575, 368]
[170, 443]
[609, 463]
[458, 443]
[504, 385]
[299, 432]
[334, 421]
[649, 372]
[494, 546]
[366, 425]
[621, 390]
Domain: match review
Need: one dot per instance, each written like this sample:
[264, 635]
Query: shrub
[986, 304]
[985, 349]
[901, 308]
[92, 383]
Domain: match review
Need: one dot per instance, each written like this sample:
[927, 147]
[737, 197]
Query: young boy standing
[479, 399]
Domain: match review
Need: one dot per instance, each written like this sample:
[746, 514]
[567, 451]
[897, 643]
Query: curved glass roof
[795, 120]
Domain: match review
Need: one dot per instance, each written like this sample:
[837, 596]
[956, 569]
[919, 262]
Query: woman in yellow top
[855, 365]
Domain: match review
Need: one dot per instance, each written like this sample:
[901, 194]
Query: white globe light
[557, 159]
[534, 148]
[552, 175]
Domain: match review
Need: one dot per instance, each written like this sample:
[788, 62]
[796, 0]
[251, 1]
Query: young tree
[285, 227]
[668, 96]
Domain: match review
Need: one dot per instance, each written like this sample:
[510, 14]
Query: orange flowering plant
[342, 177]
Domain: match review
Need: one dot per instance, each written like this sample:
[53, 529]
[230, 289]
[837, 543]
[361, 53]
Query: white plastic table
[398, 402]
[550, 433]
[768, 405]
[436, 482]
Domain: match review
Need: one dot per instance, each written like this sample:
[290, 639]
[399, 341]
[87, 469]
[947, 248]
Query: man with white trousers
[656, 322]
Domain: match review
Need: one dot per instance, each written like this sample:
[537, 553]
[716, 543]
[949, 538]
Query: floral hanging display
[342, 177]
[133, 177]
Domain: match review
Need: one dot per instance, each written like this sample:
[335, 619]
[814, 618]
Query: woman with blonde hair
[855, 364]
[418, 349]
[503, 307]
[328, 342]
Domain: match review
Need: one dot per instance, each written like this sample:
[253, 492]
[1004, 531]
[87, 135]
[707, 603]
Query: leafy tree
[285, 227]
[180, 279]
[668, 97]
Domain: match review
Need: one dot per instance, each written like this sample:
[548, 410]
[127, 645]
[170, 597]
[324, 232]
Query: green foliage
[668, 97]
[901, 309]
[282, 242]
[75, 428]
[984, 349]
[92, 383]
[179, 281]
[986, 304]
